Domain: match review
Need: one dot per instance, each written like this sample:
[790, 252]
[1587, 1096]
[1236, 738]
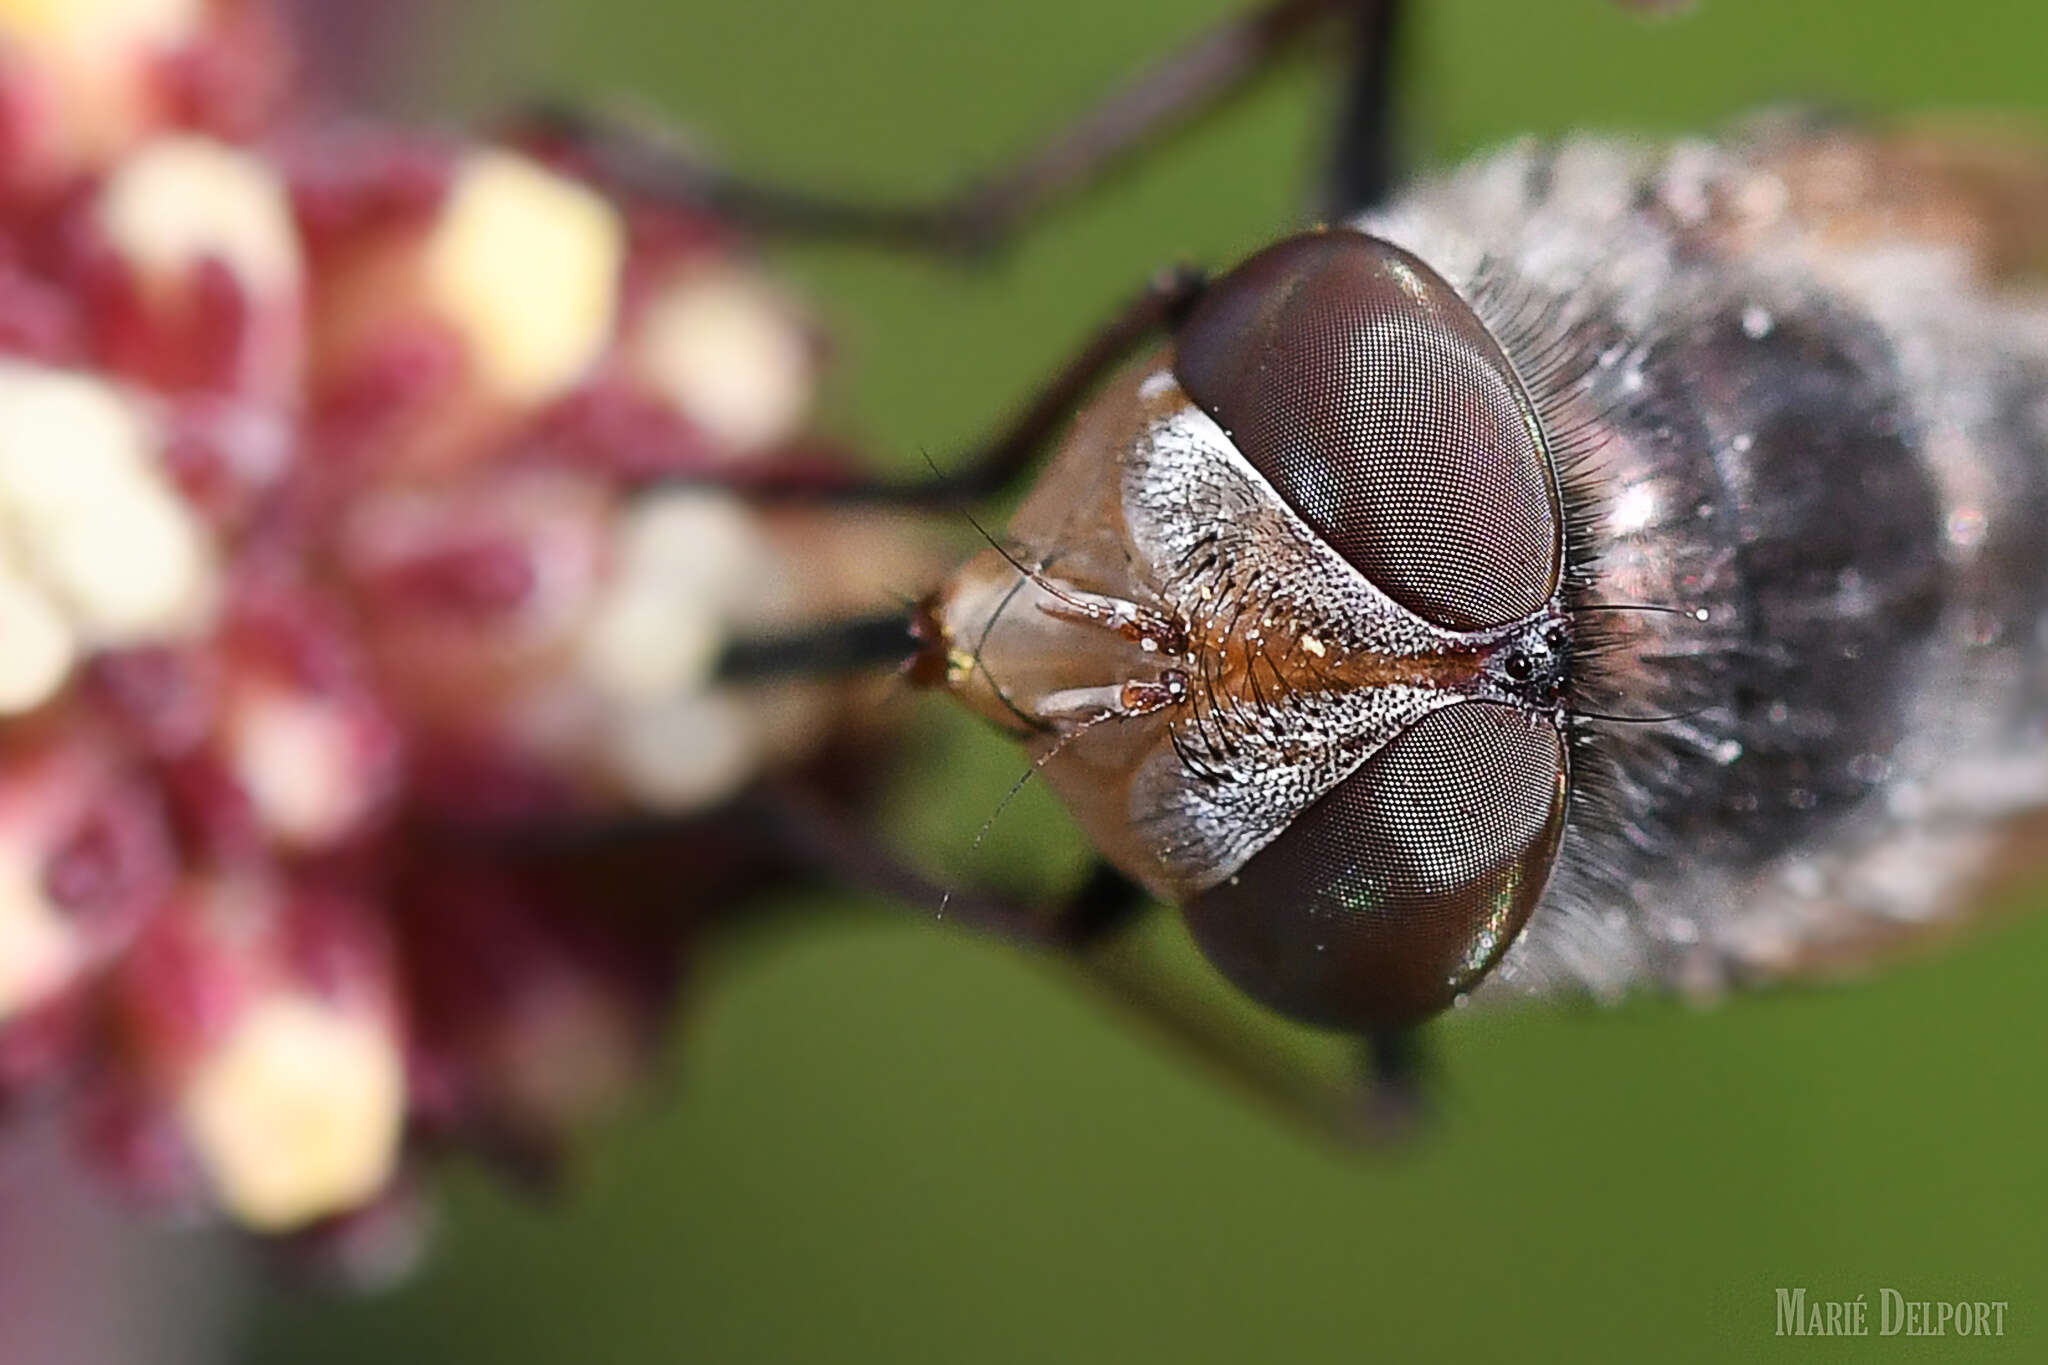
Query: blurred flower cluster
[346, 603]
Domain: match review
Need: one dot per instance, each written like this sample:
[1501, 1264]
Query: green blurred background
[881, 1142]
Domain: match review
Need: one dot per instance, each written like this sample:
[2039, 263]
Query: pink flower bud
[331, 462]
[470, 600]
[302, 732]
[264, 1043]
[540, 980]
[229, 457]
[43, 1044]
[512, 280]
[190, 257]
[728, 352]
[234, 83]
[84, 858]
[83, 81]
[38, 321]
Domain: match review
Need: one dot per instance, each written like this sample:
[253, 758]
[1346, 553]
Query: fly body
[1605, 565]
[1610, 564]
[1821, 375]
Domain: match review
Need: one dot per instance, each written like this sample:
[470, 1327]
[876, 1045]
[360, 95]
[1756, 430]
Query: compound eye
[1358, 383]
[1399, 889]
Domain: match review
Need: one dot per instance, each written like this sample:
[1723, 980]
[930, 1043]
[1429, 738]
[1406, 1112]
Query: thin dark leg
[636, 162]
[1106, 904]
[887, 640]
[994, 466]
[1225, 1034]
[1188, 85]
[1396, 1070]
[1365, 165]
[835, 845]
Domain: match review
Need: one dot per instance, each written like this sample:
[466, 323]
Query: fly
[1607, 565]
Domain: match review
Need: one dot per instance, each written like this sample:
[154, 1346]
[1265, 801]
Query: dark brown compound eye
[1358, 383]
[1399, 889]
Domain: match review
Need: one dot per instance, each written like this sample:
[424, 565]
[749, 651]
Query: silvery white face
[1289, 636]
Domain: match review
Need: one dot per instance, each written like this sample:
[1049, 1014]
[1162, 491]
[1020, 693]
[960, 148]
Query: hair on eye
[1560, 346]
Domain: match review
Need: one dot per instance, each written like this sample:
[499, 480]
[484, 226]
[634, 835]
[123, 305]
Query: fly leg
[832, 843]
[1395, 1070]
[1093, 932]
[828, 649]
[1193, 82]
[1365, 153]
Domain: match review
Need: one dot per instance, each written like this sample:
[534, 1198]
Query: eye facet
[1401, 887]
[1358, 383]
